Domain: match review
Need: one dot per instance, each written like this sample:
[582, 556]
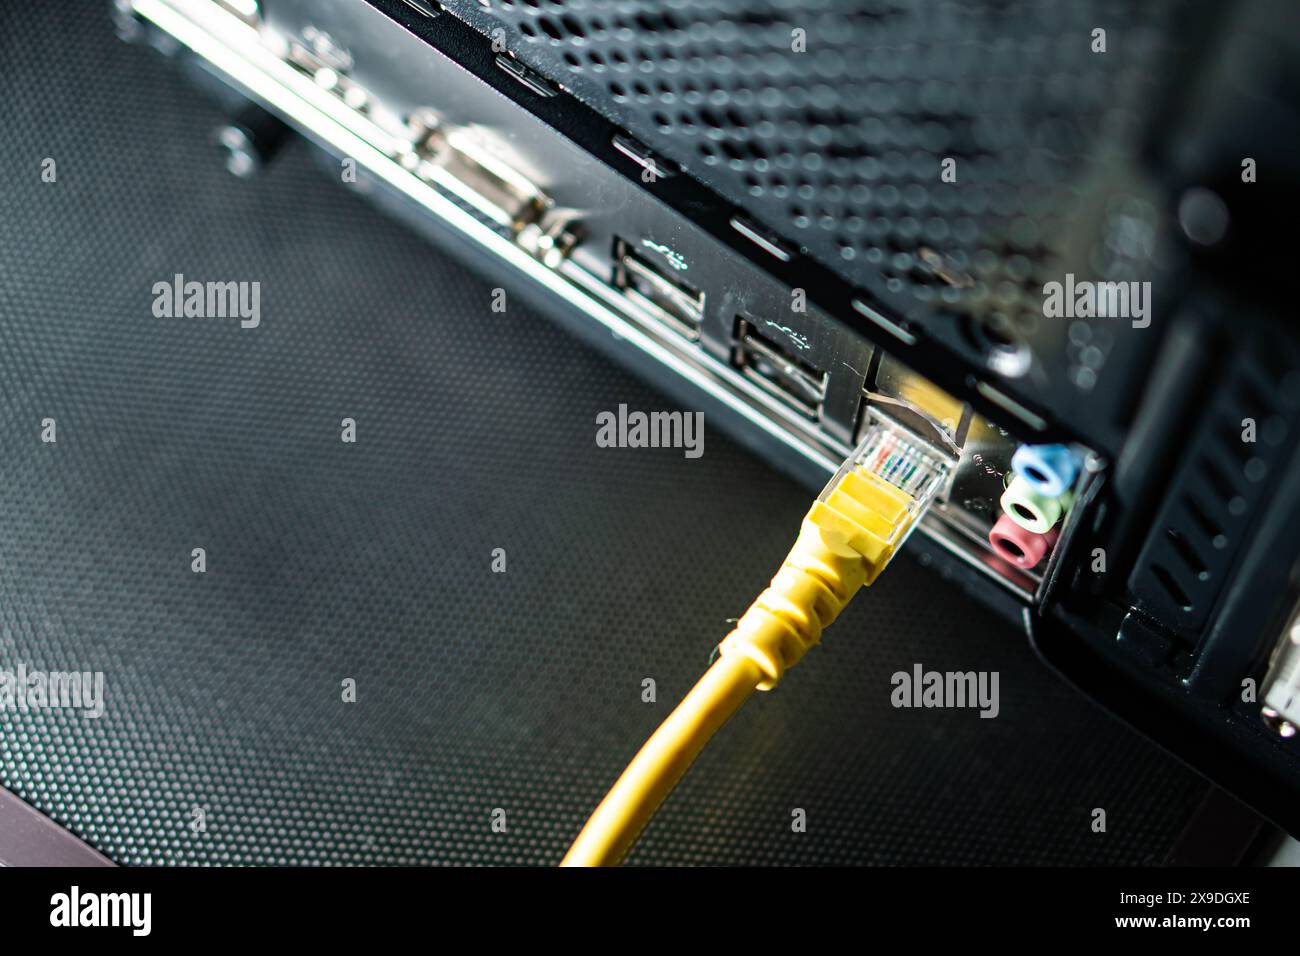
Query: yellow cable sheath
[655, 770]
[812, 586]
[845, 541]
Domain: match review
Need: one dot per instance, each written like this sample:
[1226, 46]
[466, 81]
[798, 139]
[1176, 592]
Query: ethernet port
[774, 366]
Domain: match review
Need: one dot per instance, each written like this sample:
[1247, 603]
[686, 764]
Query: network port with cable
[1281, 700]
[776, 368]
[668, 297]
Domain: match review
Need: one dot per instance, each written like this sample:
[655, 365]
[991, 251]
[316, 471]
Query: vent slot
[1185, 551]
[1209, 505]
[1204, 522]
[1172, 587]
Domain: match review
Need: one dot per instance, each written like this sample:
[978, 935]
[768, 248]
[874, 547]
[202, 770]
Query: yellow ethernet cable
[855, 526]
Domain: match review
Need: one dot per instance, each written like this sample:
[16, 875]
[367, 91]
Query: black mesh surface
[327, 561]
[827, 119]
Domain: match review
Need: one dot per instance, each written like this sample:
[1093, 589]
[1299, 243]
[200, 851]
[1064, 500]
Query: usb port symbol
[782, 374]
[655, 290]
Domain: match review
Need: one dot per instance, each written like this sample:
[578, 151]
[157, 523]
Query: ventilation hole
[573, 26]
[712, 119]
[655, 23]
[1171, 586]
[871, 138]
[1188, 554]
[551, 28]
[732, 150]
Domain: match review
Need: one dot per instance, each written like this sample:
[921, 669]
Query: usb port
[773, 365]
[677, 304]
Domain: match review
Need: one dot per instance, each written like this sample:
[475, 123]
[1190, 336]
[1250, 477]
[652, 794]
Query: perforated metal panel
[476, 690]
[828, 120]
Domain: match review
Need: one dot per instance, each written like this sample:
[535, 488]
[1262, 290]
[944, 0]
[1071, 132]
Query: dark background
[372, 561]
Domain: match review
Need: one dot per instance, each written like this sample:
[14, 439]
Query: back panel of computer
[1010, 229]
